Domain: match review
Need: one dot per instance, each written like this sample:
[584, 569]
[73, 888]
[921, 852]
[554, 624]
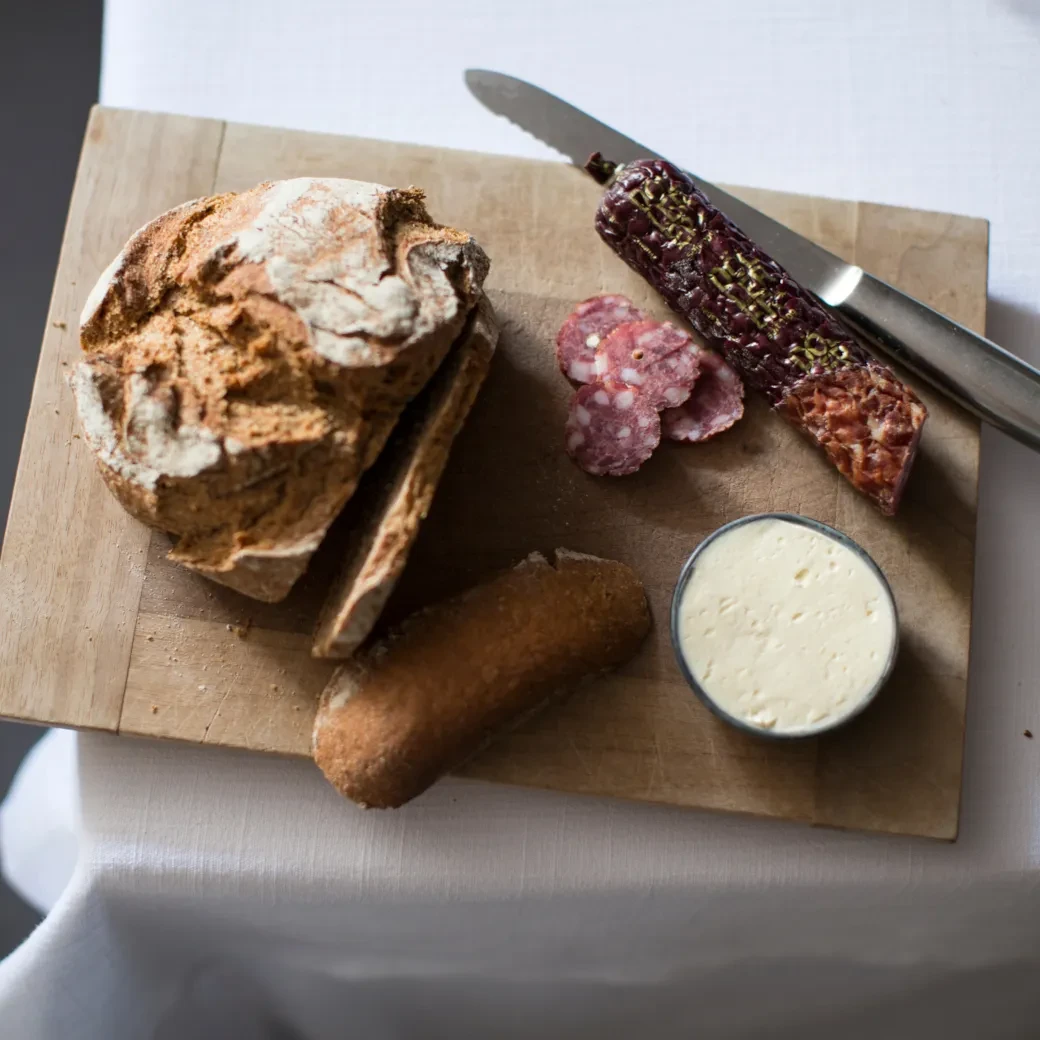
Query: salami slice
[716, 403]
[611, 430]
[587, 325]
[656, 358]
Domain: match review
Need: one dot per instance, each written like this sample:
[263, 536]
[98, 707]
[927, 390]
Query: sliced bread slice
[400, 490]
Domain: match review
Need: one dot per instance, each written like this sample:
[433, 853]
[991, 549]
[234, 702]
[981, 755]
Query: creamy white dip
[784, 627]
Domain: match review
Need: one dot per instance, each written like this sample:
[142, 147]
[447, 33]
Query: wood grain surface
[72, 562]
[98, 629]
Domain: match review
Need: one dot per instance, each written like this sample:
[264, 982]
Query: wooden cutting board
[98, 631]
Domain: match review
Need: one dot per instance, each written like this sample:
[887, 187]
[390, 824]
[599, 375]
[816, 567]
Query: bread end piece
[380, 546]
[412, 707]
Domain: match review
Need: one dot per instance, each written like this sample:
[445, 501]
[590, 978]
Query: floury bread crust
[248, 354]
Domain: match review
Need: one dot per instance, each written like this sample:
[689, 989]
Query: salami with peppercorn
[777, 335]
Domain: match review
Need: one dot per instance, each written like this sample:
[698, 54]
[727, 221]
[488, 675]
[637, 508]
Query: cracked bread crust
[248, 354]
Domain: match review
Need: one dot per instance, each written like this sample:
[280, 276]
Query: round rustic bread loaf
[248, 355]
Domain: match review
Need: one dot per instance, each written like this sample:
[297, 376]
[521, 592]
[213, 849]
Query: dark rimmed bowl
[680, 587]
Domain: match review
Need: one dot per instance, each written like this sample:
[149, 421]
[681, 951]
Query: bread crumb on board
[1028, 734]
[155, 709]
[59, 324]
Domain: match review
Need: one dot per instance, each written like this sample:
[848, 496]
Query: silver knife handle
[979, 375]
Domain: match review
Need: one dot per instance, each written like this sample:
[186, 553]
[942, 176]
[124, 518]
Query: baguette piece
[408, 709]
[247, 355]
[407, 480]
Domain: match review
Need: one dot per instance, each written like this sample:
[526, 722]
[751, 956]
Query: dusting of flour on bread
[350, 295]
[96, 296]
[155, 435]
[247, 354]
[101, 286]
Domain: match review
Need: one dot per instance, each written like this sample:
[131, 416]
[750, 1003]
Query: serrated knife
[979, 375]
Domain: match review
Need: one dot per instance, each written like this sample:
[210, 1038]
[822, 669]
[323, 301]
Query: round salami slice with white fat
[656, 358]
[611, 430]
[716, 403]
[585, 328]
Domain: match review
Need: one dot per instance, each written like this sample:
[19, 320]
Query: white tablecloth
[221, 894]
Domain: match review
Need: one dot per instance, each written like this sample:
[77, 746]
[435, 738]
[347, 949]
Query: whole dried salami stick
[781, 339]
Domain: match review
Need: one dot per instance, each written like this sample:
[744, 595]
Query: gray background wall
[49, 67]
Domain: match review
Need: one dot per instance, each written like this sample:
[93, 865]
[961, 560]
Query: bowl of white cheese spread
[783, 626]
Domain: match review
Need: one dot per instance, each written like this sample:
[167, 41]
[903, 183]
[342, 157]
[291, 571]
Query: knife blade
[973, 371]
